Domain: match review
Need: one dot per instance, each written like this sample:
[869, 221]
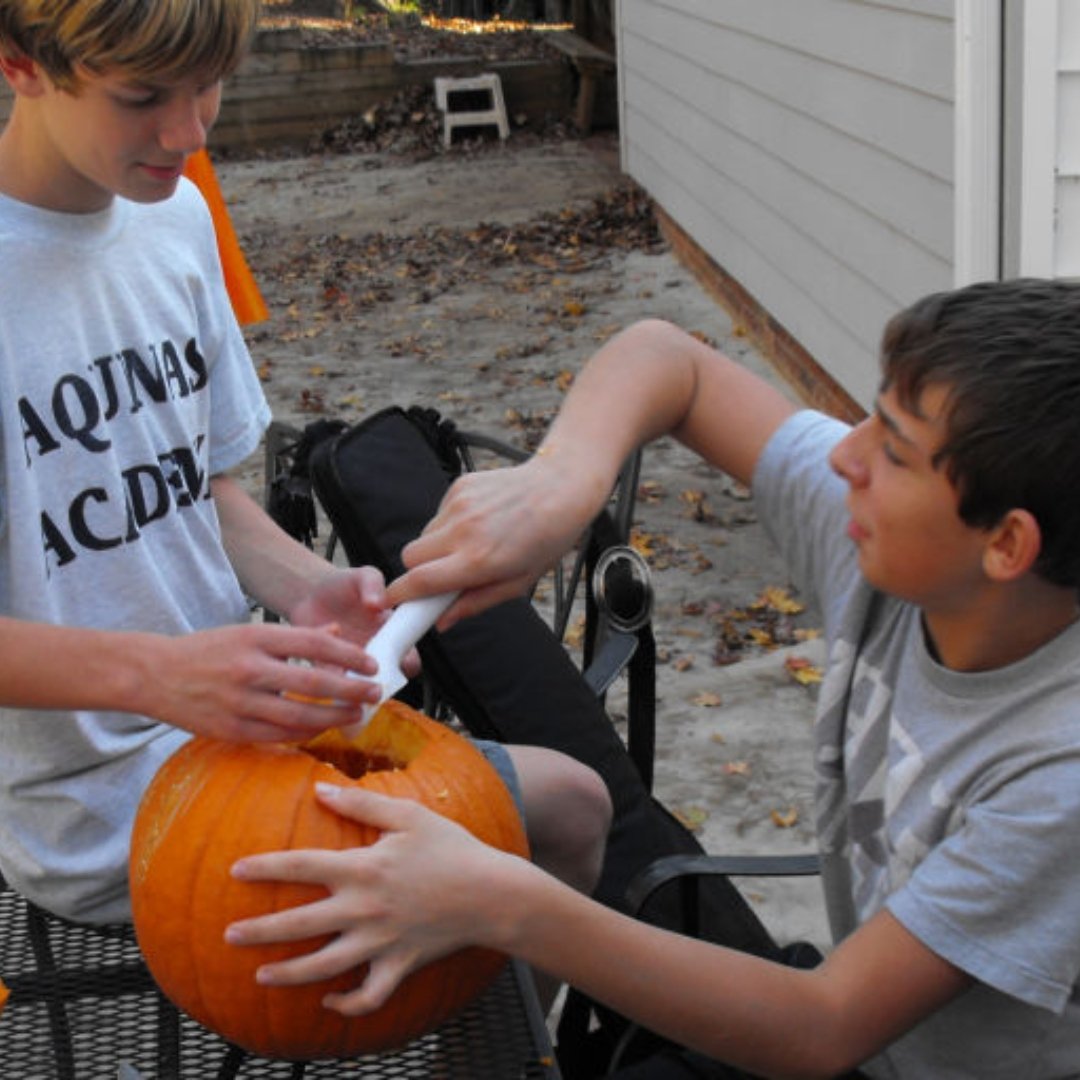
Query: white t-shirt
[125, 384]
[952, 799]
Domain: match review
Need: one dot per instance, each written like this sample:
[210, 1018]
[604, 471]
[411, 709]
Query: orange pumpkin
[213, 802]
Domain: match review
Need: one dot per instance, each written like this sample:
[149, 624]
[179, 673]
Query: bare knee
[567, 814]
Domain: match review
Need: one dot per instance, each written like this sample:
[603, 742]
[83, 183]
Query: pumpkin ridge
[211, 887]
[184, 915]
[279, 1007]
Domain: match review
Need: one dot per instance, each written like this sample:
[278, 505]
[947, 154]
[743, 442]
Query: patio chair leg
[168, 1055]
[232, 1063]
[63, 1051]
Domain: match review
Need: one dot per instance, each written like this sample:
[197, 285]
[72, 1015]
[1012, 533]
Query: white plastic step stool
[452, 118]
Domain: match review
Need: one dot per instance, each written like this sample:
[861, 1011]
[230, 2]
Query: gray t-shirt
[952, 799]
[125, 384]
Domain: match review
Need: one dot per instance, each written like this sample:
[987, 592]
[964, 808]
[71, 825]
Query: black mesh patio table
[83, 1006]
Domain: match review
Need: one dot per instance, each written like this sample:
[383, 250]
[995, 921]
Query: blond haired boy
[127, 553]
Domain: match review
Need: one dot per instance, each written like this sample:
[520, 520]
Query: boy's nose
[847, 458]
[185, 128]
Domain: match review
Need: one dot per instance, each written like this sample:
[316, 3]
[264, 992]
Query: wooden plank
[289, 97]
[578, 49]
[291, 110]
[276, 91]
[296, 60]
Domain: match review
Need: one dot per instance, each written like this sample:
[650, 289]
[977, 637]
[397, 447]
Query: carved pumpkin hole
[352, 761]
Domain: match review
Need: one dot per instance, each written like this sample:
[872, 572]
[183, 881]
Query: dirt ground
[477, 282]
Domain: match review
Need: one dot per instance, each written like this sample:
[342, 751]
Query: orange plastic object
[247, 301]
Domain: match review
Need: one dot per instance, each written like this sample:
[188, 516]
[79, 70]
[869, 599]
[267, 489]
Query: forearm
[655, 379]
[62, 667]
[740, 1009]
[273, 568]
[765, 1017]
[427, 888]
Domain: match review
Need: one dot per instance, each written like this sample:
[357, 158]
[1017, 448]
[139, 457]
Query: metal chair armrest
[609, 662]
[675, 867]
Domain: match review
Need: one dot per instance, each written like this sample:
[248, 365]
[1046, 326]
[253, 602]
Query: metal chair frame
[83, 1006]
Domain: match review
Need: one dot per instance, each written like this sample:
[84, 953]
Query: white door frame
[1030, 137]
[977, 230]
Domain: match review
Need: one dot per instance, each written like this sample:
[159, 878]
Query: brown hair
[1008, 355]
[148, 40]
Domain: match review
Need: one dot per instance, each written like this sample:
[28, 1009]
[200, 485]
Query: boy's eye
[139, 101]
[890, 454]
[144, 98]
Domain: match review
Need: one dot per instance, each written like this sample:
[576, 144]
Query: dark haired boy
[940, 539]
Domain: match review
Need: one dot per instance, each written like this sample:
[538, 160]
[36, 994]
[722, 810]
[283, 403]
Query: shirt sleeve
[800, 502]
[239, 411]
[1000, 896]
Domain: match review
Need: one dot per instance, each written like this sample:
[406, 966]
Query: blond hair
[150, 40]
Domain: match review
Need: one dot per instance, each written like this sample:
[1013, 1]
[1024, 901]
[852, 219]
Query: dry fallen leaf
[692, 817]
[575, 633]
[650, 491]
[784, 819]
[737, 768]
[643, 543]
[802, 671]
[777, 599]
[698, 509]
[706, 699]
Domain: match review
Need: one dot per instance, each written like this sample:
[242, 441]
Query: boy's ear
[1013, 546]
[22, 74]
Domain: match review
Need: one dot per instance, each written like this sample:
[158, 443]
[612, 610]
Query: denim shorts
[500, 760]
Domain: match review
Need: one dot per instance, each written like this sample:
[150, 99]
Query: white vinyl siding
[808, 147]
[1067, 156]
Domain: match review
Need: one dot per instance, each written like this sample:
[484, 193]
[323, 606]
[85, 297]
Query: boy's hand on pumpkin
[408, 899]
[241, 683]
